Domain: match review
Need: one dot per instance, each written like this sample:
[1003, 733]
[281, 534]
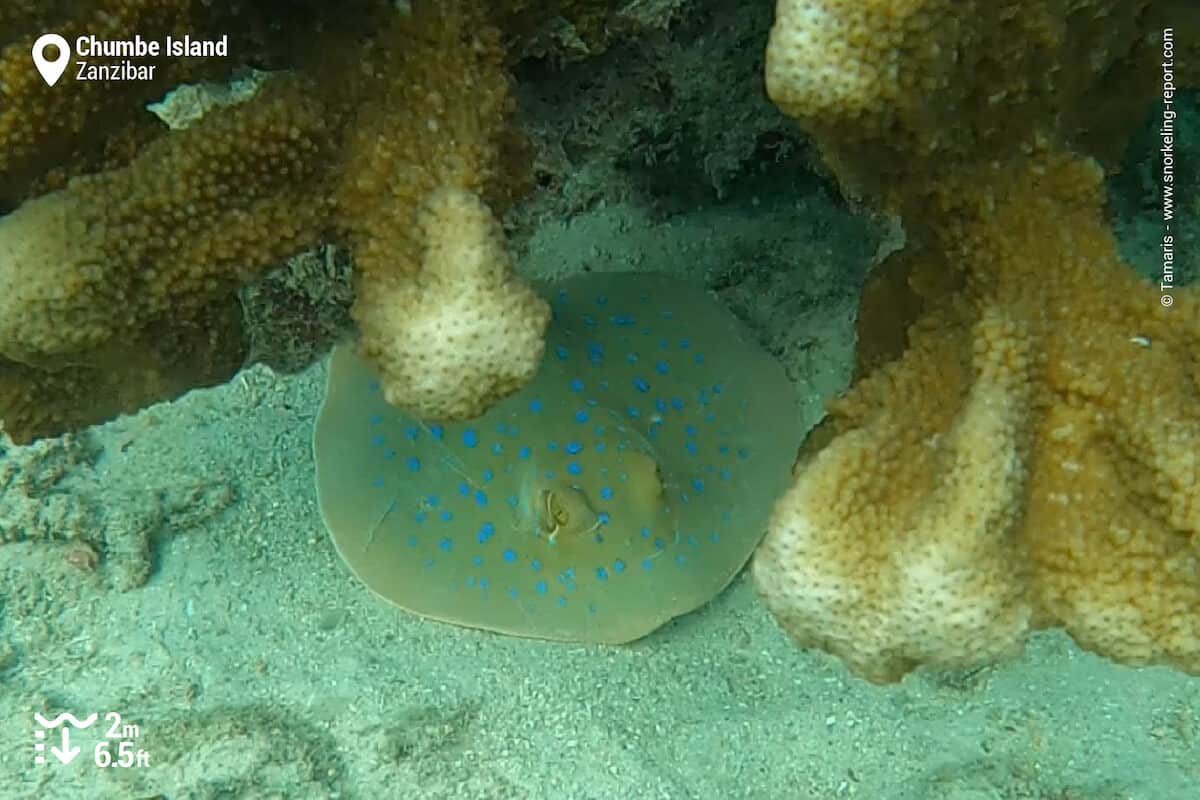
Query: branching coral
[443, 315]
[119, 289]
[41, 127]
[116, 289]
[1032, 458]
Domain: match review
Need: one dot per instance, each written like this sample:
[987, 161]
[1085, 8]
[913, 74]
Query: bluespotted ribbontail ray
[625, 486]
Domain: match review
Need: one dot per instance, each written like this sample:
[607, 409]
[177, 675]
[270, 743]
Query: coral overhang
[1023, 447]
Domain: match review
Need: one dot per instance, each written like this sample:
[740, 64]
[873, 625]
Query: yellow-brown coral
[395, 135]
[42, 126]
[1031, 460]
[902, 94]
[121, 286]
[442, 314]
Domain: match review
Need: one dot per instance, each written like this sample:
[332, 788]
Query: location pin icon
[51, 70]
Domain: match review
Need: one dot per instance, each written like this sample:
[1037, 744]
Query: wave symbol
[69, 717]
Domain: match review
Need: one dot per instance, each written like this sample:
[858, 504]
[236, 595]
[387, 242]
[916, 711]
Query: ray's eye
[554, 516]
[565, 512]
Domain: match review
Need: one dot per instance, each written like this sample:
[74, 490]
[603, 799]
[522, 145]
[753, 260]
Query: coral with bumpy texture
[122, 240]
[467, 332]
[120, 289]
[137, 303]
[1032, 458]
[444, 318]
[40, 125]
[940, 587]
[894, 90]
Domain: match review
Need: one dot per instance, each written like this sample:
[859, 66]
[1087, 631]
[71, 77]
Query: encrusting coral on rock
[117, 286]
[1022, 449]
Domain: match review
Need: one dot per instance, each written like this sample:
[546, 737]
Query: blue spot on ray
[616, 468]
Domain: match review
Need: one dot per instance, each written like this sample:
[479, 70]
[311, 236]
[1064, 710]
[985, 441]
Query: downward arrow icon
[65, 754]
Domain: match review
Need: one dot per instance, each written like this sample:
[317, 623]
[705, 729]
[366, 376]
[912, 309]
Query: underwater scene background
[602, 399]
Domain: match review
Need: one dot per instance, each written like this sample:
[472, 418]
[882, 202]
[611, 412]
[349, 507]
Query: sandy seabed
[222, 623]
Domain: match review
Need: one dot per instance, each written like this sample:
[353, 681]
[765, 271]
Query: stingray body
[626, 485]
